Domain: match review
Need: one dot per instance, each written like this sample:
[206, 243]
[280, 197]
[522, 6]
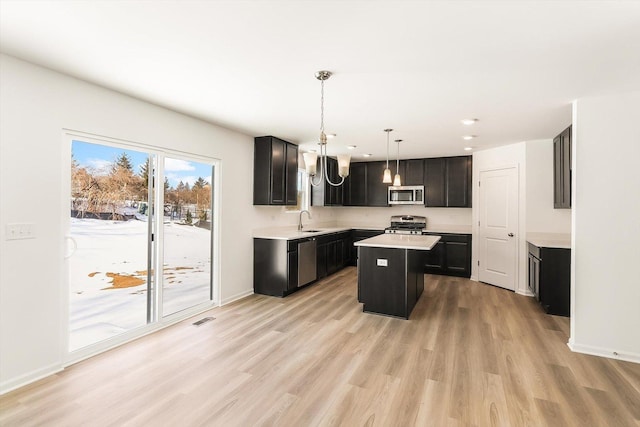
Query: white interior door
[498, 252]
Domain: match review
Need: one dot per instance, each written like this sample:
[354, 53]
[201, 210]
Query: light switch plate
[382, 262]
[20, 231]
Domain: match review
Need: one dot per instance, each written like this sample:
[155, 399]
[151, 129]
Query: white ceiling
[415, 66]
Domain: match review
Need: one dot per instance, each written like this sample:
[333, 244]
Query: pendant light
[386, 178]
[310, 159]
[397, 182]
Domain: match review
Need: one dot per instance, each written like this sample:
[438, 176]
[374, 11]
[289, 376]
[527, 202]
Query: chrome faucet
[300, 219]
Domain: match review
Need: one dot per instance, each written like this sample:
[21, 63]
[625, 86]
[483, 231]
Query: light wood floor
[471, 354]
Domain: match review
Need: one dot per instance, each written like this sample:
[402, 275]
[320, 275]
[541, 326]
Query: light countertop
[550, 240]
[291, 233]
[400, 241]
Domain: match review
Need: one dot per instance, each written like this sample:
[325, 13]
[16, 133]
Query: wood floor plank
[471, 354]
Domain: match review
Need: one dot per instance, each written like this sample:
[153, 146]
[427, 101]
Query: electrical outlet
[20, 231]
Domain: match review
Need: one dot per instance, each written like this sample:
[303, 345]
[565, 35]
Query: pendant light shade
[397, 182]
[386, 178]
[310, 162]
[343, 165]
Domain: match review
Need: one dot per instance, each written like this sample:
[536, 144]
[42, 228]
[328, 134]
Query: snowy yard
[108, 275]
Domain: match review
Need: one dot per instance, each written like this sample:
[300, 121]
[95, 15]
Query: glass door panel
[187, 235]
[108, 273]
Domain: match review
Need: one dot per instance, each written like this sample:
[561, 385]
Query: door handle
[510, 234]
[73, 250]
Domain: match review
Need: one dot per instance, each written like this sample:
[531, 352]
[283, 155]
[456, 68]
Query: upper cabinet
[377, 191]
[326, 194]
[412, 171]
[275, 169]
[355, 190]
[562, 170]
[447, 182]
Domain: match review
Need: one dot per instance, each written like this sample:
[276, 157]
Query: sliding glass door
[187, 243]
[121, 226]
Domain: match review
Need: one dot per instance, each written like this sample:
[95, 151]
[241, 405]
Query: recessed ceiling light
[366, 155]
[468, 137]
[468, 122]
[468, 148]
[331, 135]
[351, 147]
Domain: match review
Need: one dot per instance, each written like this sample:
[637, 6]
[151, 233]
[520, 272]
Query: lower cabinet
[275, 267]
[550, 278]
[333, 253]
[451, 256]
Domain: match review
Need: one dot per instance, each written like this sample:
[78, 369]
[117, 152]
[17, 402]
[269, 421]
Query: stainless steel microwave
[406, 195]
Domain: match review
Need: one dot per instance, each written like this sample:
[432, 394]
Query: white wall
[513, 155]
[605, 292]
[541, 216]
[35, 105]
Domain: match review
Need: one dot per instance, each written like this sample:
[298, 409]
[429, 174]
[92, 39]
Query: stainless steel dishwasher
[307, 272]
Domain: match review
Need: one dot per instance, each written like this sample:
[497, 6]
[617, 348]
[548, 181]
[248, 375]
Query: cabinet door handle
[510, 234]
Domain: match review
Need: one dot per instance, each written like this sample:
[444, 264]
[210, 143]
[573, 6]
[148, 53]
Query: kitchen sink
[310, 231]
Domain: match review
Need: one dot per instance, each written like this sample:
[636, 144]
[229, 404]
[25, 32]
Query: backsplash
[273, 216]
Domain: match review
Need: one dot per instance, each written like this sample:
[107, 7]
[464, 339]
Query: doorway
[142, 253]
[498, 226]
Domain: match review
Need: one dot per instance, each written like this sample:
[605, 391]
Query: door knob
[510, 234]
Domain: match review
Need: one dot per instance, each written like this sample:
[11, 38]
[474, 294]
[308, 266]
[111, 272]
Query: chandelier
[311, 159]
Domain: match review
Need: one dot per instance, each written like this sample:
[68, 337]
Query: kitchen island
[391, 272]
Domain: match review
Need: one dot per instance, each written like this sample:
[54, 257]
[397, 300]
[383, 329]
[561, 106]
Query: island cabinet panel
[390, 281]
[377, 191]
[275, 168]
[451, 256]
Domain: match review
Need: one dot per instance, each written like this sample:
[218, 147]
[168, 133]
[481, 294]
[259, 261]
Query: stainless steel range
[407, 224]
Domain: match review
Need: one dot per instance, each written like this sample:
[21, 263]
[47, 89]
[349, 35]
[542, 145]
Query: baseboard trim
[526, 292]
[30, 377]
[603, 352]
[236, 297]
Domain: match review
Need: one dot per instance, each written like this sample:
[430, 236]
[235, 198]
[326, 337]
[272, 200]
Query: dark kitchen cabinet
[562, 170]
[550, 278]
[412, 171]
[333, 253]
[355, 190]
[392, 288]
[451, 256]
[377, 191]
[275, 267]
[447, 182]
[275, 169]
[326, 194]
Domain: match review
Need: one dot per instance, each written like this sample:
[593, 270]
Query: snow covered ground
[119, 248]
